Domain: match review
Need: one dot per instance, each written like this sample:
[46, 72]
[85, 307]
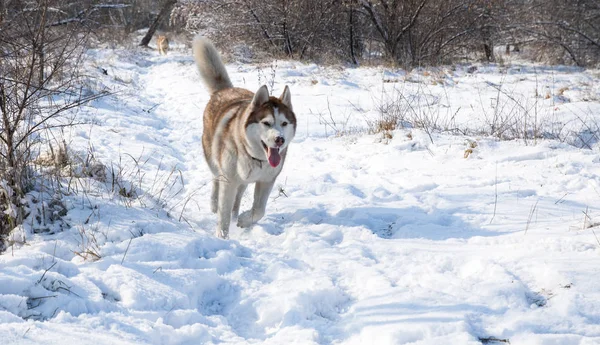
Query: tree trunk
[164, 12]
[489, 52]
[264, 29]
[42, 57]
[351, 24]
[2, 11]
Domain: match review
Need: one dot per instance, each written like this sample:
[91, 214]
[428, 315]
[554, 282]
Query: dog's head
[271, 124]
[162, 39]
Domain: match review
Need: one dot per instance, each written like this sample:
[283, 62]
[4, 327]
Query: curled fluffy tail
[211, 67]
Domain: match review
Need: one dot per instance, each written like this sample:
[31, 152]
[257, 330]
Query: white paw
[245, 219]
[221, 234]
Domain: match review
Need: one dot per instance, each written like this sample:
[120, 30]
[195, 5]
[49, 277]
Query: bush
[41, 48]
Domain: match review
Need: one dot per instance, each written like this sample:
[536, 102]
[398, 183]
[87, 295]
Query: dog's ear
[261, 96]
[286, 97]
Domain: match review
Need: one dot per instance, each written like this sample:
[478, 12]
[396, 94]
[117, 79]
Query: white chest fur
[252, 170]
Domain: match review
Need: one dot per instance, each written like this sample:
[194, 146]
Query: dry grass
[89, 246]
[471, 145]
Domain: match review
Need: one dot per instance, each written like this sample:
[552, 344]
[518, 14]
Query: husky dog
[163, 44]
[245, 139]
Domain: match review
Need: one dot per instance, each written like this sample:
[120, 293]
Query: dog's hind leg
[227, 192]
[214, 197]
[238, 200]
[262, 190]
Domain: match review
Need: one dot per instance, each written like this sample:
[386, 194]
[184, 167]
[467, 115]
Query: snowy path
[404, 242]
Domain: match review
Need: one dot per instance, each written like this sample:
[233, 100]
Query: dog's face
[162, 40]
[271, 125]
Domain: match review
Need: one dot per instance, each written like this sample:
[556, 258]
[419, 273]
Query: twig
[27, 331]
[68, 289]
[586, 217]
[88, 252]
[184, 205]
[597, 240]
[152, 108]
[46, 271]
[488, 340]
[559, 200]
[126, 249]
[495, 194]
[533, 208]
[41, 297]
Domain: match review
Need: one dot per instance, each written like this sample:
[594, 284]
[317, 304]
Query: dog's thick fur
[245, 139]
[163, 44]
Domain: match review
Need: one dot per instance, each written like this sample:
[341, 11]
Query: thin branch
[495, 194]
[46, 271]
[75, 104]
[412, 21]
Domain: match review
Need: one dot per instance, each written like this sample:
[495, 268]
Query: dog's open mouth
[272, 154]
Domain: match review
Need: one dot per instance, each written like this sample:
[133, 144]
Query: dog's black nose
[279, 141]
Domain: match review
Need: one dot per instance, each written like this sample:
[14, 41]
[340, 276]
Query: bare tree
[572, 27]
[394, 21]
[164, 13]
[407, 32]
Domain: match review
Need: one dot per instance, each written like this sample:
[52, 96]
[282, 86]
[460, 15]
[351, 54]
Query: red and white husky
[245, 139]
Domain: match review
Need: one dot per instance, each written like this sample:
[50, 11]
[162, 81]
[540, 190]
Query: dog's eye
[267, 124]
[284, 124]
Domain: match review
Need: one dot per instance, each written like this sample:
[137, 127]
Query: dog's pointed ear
[286, 97]
[261, 96]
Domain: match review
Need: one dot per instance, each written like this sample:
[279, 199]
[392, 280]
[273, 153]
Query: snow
[367, 239]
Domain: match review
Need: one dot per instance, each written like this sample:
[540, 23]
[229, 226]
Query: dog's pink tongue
[274, 157]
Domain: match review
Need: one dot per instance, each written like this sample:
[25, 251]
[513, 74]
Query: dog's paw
[222, 234]
[246, 219]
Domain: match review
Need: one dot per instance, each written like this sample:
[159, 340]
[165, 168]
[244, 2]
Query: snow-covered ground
[367, 239]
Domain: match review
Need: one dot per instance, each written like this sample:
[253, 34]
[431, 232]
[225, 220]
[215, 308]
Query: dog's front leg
[227, 192]
[262, 190]
[238, 200]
